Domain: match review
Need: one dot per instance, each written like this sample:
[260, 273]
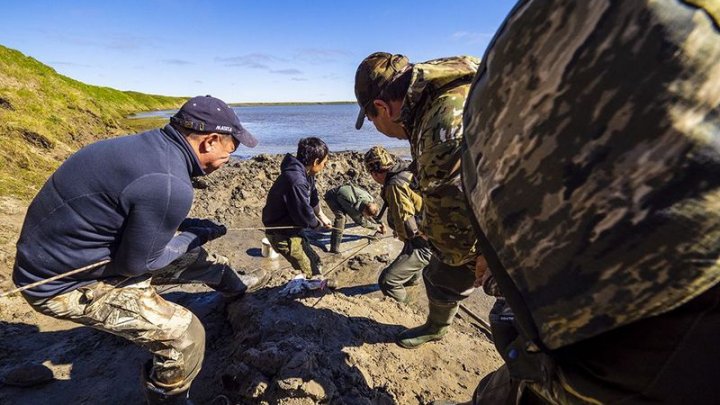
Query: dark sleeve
[299, 206]
[155, 205]
[314, 199]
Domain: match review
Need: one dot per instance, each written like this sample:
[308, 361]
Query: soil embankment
[265, 348]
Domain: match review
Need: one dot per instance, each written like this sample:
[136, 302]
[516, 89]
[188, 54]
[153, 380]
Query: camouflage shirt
[593, 161]
[402, 201]
[432, 116]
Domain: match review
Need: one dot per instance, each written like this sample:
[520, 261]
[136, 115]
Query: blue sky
[241, 51]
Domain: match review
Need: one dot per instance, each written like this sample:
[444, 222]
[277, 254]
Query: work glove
[207, 233]
[197, 223]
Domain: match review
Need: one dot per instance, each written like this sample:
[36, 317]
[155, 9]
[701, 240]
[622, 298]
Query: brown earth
[335, 347]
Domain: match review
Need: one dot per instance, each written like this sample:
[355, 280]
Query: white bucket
[267, 250]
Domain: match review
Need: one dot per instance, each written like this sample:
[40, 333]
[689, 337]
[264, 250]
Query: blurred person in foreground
[593, 171]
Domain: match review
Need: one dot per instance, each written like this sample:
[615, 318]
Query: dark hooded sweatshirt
[120, 199]
[291, 198]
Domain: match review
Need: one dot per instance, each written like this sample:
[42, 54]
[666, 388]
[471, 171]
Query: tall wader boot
[158, 396]
[439, 318]
[337, 232]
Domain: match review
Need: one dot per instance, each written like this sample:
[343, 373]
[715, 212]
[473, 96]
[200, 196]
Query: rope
[370, 242]
[106, 261]
[269, 228]
[57, 277]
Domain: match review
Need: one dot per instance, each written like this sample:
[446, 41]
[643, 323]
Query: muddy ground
[334, 347]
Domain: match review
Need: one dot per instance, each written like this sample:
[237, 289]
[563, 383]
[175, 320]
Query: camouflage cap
[373, 74]
[378, 159]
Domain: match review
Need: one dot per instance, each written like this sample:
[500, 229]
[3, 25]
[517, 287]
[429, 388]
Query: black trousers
[671, 358]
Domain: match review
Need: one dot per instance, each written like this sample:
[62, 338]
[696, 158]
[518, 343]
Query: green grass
[45, 116]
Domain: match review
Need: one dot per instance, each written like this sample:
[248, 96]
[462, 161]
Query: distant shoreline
[400, 152]
[290, 103]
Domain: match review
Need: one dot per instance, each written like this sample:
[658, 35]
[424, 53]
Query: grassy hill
[45, 116]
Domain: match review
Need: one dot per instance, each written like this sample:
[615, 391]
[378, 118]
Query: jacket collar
[176, 138]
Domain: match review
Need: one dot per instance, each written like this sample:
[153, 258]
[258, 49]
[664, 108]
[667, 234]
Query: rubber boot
[439, 318]
[234, 285]
[159, 396]
[337, 234]
[156, 396]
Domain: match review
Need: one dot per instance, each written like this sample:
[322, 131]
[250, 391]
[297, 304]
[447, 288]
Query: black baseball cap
[210, 114]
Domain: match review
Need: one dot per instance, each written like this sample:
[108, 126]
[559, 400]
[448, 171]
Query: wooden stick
[483, 323]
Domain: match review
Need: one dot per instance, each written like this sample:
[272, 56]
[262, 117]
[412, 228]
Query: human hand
[207, 233]
[188, 223]
[324, 225]
[481, 271]
[381, 229]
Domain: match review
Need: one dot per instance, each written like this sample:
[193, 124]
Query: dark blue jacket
[291, 198]
[120, 199]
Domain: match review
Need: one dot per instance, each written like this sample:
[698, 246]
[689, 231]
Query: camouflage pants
[135, 311]
[405, 269]
[297, 250]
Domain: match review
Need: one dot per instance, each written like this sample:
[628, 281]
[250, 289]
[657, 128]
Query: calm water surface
[278, 128]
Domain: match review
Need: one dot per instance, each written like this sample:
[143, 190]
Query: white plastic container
[267, 250]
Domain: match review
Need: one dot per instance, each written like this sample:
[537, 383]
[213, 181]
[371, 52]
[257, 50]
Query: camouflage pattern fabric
[297, 250]
[132, 309]
[432, 114]
[372, 75]
[402, 201]
[377, 159]
[593, 160]
[136, 312]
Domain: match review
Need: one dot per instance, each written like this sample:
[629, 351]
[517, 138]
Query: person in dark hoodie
[293, 205]
[126, 200]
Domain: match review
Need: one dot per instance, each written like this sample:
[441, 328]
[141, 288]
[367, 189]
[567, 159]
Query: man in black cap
[125, 200]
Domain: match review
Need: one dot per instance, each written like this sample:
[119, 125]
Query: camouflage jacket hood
[432, 116]
[430, 78]
[593, 171]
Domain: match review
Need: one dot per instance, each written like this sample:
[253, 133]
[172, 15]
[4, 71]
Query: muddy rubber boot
[335, 239]
[336, 235]
[158, 396]
[439, 319]
[234, 284]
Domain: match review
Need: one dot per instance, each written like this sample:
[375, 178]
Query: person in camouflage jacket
[423, 103]
[593, 170]
[404, 206]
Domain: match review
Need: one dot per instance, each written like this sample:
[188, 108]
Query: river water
[279, 128]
